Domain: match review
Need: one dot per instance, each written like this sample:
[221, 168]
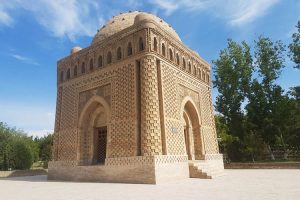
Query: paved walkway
[236, 184]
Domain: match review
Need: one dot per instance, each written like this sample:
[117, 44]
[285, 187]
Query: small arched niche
[141, 44]
[129, 49]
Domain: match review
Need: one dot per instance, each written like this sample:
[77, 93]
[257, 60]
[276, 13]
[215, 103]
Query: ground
[236, 184]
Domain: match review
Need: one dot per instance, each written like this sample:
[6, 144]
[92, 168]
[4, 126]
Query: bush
[17, 150]
[21, 156]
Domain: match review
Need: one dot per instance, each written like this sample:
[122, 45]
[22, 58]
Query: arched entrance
[93, 132]
[192, 134]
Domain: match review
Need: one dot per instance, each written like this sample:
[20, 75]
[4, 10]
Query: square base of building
[139, 169]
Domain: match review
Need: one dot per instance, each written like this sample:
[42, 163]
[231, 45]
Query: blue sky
[35, 34]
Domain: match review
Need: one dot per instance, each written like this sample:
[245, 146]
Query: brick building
[135, 106]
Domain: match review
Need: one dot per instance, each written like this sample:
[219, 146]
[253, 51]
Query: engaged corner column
[150, 115]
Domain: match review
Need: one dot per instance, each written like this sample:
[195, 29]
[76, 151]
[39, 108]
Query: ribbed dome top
[125, 20]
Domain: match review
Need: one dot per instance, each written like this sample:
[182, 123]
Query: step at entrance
[204, 169]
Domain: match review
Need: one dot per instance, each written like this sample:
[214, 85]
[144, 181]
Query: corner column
[150, 114]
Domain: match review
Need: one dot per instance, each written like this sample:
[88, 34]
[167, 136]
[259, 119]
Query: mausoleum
[135, 106]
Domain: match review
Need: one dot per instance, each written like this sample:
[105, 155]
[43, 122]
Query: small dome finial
[75, 49]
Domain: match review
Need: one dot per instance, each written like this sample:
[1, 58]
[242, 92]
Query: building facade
[135, 106]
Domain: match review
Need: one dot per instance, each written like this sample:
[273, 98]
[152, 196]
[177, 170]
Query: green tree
[295, 92]
[17, 150]
[232, 73]
[229, 145]
[253, 146]
[295, 47]
[292, 118]
[34, 148]
[21, 155]
[271, 117]
[265, 95]
[45, 146]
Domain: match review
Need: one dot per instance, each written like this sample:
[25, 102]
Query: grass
[38, 165]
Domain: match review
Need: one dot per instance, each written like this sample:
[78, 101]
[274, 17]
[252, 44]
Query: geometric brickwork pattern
[170, 93]
[151, 138]
[145, 160]
[55, 151]
[175, 137]
[134, 81]
[67, 141]
[124, 93]
[136, 160]
[174, 125]
[123, 126]
[211, 146]
[122, 140]
[162, 159]
[68, 109]
[200, 95]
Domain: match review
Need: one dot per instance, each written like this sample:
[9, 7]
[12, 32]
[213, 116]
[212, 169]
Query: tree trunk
[285, 155]
[253, 160]
[271, 153]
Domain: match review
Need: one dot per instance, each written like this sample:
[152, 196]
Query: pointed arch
[192, 129]
[95, 100]
[199, 73]
[68, 74]
[91, 64]
[75, 71]
[171, 54]
[155, 44]
[93, 120]
[83, 68]
[100, 61]
[109, 58]
[207, 77]
[141, 44]
[189, 101]
[163, 49]
[129, 49]
[177, 59]
[203, 76]
[119, 53]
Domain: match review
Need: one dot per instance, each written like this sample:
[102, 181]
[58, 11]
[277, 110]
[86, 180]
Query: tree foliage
[295, 47]
[233, 72]
[18, 151]
[255, 114]
[45, 147]
[265, 96]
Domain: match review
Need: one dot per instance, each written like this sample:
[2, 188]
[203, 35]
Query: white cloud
[169, 6]
[5, 8]
[69, 18]
[24, 59]
[37, 120]
[248, 11]
[5, 18]
[39, 133]
[235, 12]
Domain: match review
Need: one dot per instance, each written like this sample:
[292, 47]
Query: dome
[75, 49]
[125, 20]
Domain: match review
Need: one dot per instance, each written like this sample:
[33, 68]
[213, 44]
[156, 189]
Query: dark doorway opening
[101, 141]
